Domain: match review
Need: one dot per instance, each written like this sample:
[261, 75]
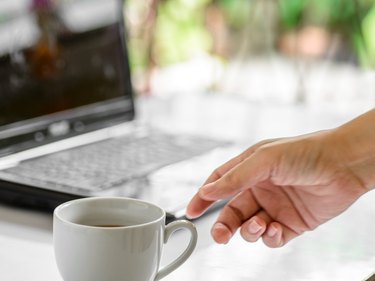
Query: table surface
[342, 249]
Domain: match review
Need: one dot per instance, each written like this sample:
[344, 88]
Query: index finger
[256, 168]
[198, 205]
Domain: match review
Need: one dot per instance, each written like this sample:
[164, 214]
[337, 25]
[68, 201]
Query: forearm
[357, 140]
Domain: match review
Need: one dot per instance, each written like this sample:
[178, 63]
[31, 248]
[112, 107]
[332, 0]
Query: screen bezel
[24, 134]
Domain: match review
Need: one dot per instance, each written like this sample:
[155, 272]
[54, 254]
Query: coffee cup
[114, 239]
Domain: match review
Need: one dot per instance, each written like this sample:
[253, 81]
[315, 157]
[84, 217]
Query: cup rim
[57, 210]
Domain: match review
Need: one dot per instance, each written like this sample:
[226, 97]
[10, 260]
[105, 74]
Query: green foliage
[180, 30]
[291, 12]
[236, 12]
[366, 43]
[334, 14]
[353, 19]
[137, 54]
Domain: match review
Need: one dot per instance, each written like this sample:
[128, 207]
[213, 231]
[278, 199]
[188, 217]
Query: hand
[281, 188]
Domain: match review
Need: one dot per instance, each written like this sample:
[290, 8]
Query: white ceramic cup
[114, 239]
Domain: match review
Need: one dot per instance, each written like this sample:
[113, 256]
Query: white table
[342, 249]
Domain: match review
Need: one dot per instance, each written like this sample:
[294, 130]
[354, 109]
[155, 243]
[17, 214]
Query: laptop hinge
[84, 139]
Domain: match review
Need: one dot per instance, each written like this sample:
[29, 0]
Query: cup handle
[169, 229]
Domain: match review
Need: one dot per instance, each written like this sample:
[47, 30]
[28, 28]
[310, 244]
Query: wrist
[356, 143]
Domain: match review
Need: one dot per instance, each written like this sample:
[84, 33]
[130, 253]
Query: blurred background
[318, 52]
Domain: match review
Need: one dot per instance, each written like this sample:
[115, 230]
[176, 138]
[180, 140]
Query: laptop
[67, 113]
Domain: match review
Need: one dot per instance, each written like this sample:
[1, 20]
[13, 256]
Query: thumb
[256, 168]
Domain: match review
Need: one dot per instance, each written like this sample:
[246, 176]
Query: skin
[280, 188]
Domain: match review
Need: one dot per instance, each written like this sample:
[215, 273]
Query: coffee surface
[109, 225]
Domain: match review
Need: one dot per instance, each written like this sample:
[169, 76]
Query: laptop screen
[62, 63]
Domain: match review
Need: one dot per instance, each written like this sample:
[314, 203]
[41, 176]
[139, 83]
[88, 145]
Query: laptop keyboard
[112, 162]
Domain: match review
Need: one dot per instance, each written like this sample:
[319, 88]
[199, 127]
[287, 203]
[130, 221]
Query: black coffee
[109, 225]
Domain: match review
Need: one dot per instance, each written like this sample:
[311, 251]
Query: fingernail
[254, 227]
[271, 232]
[221, 233]
[191, 216]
